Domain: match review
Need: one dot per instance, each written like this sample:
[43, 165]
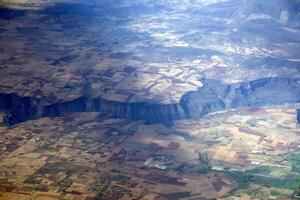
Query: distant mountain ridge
[285, 11]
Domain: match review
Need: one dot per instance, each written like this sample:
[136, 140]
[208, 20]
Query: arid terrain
[149, 100]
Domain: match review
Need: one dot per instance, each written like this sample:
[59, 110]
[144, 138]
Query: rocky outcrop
[150, 113]
[268, 91]
[298, 116]
[209, 98]
[18, 109]
[213, 96]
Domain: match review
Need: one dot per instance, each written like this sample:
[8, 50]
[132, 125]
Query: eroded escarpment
[213, 96]
[17, 108]
[150, 113]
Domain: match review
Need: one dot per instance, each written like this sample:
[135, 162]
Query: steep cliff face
[268, 91]
[18, 109]
[63, 108]
[298, 116]
[213, 96]
[150, 113]
[207, 99]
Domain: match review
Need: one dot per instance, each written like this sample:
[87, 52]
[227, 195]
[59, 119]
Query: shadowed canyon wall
[213, 96]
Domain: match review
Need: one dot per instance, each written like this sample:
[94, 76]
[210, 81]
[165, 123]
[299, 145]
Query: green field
[271, 177]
